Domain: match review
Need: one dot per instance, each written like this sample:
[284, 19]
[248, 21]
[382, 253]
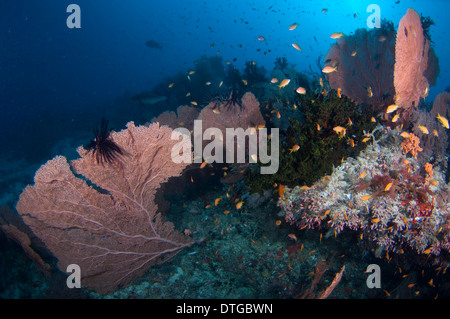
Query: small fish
[388, 187]
[395, 118]
[294, 148]
[339, 95]
[362, 174]
[435, 133]
[301, 90]
[220, 83]
[353, 53]
[254, 158]
[372, 119]
[244, 81]
[382, 38]
[321, 82]
[203, 164]
[365, 139]
[423, 129]
[352, 142]
[329, 69]
[443, 121]
[194, 103]
[392, 108]
[364, 198]
[350, 123]
[284, 83]
[296, 46]
[217, 200]
[278, 115]
[171, 84]
[304, 188]
[188, 94]
[336, 35]
[226, 212]
[324, 10]
[261, 38]
[318, 127]
[340, 130]
[278, 223]
[369, 92]
[191, 72]
[239, 205]
[274, 80]
[293, 237]
[208, 83]
[293, 26]
[216, 111]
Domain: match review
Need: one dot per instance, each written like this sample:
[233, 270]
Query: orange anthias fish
[388, 187]
[293, 26]
[296, 46]
[294, 148]
[340, 130]
[281, 191]
[336, 35]
[301, 90]
[274, 80]
[443, 121]
[284, 83]
[392, 108]
[423, 129]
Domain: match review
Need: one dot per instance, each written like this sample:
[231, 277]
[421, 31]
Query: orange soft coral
[411, 144]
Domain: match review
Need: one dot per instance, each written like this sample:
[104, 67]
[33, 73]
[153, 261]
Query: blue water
[55, 80]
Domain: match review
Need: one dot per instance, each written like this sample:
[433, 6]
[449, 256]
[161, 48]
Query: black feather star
[104, 149]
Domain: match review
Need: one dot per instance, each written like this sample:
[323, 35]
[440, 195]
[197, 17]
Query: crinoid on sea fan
[104, 149]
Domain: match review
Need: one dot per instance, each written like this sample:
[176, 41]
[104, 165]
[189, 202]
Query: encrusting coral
[382, 194]
[104, 219]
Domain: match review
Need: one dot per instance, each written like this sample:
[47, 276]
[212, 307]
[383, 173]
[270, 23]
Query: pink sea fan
[364, 64]
[411, 59]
